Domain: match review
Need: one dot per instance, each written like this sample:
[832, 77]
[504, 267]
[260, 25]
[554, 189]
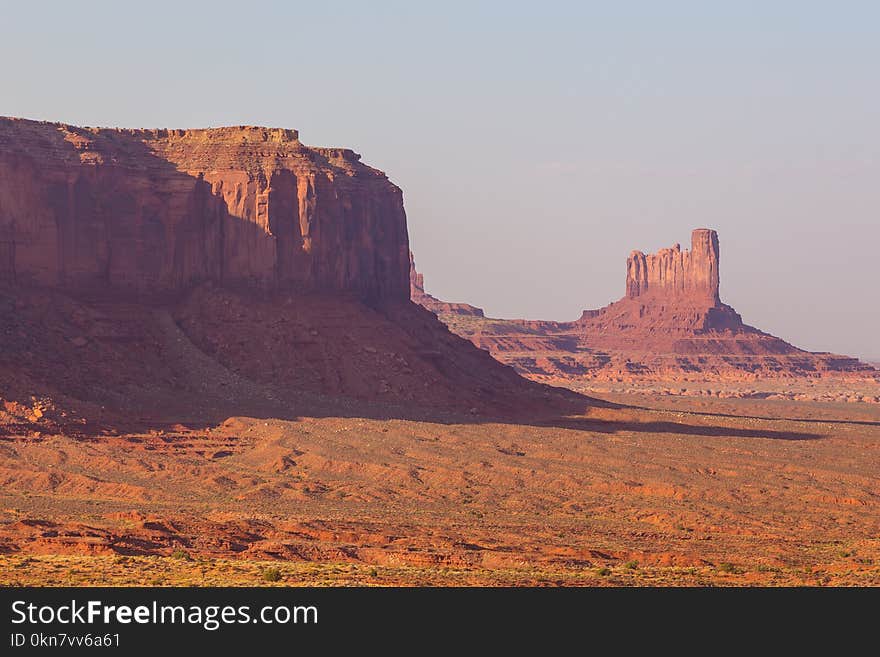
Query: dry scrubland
[691, 491]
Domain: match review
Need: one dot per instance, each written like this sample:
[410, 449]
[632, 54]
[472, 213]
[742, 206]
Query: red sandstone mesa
[671, 323]
[139, 268]
[158, 211]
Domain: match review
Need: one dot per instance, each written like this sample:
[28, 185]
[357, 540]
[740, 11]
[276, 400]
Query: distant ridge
[671, 324]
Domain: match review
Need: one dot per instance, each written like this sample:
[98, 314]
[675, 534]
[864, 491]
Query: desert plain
[633, 489]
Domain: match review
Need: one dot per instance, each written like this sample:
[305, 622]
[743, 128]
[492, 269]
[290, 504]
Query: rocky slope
[166, 274]
[670, 325]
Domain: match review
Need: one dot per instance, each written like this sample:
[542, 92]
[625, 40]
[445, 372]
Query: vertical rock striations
[159, 211]
[676, 273]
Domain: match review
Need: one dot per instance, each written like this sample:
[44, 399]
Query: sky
[537, 144]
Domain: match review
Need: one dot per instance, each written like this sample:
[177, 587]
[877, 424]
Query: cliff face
[159, 211]
[676, 273]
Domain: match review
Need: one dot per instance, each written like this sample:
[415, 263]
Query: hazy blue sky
[536, 143]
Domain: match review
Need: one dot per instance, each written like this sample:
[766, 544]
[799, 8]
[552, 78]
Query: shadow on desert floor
[762, 418]
[566, 414]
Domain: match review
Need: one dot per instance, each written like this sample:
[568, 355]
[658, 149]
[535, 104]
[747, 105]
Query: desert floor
[644, 489]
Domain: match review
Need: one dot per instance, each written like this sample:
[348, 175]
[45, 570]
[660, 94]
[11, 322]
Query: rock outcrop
[675, 273]
[160, 211]
[416, 281]
[418, 295]
[671, 324]
[669, 294]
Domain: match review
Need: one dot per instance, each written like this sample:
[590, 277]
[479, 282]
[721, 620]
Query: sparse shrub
[631, 565]
[374, 572]
[272, 575]
[603, 572]
[181, 554]
[726, 567]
